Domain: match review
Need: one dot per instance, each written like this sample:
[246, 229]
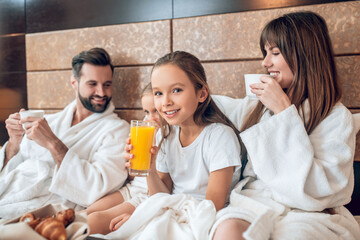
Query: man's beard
[96, 108]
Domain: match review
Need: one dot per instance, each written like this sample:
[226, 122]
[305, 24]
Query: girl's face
[174, 95]
[276, 65]
[147, 102]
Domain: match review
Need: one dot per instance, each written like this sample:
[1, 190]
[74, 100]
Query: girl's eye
[176, 90]
[146, 112]
[157, 93]
[276, 53]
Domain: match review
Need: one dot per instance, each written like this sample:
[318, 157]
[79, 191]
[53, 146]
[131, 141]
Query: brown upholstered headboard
[226, 43]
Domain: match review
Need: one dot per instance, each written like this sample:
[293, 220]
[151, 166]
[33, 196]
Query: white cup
[31, 113]
[251, 79]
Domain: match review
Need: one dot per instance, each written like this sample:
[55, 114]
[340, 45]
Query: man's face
[95, 87]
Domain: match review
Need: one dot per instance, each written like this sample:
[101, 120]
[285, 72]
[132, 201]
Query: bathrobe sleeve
[83, 181]
[25, 147]
[306, 172]
[14, 161]
[237, 110]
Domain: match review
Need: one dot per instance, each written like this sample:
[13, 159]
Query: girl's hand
[127, 155]
[154, 150]
[118, 221]
[157, 181]
[270, 93]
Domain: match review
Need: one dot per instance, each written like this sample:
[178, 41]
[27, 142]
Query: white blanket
[291, 177]
[164, 216]
[92, 167]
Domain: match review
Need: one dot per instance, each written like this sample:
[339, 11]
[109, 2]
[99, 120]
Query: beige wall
[226, 43]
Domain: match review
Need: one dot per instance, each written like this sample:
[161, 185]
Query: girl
[299, 141]
[201, 154]
[123, 202]
[202, 151]
[147, 102]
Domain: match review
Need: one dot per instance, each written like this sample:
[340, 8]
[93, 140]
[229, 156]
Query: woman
[299, 141]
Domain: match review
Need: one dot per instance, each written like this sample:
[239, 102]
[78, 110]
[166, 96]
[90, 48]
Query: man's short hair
[94, 56]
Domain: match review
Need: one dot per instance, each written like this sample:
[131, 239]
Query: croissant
[30, 219]
[51, 229]
[27, 217]
[66, 216]
[34, 223]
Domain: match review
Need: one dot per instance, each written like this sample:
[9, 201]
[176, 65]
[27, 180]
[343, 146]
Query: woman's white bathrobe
[92, 167]
[291, 177]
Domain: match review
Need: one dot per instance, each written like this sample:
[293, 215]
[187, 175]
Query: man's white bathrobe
[93, 166]
[292, 177]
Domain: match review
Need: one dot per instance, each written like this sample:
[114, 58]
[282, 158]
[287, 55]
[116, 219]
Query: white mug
[251, 79]
[31, 113]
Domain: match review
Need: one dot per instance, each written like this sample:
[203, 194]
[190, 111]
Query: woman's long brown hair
[303, 40]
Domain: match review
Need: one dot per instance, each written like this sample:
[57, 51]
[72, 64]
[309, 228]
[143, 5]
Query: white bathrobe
[291, 177]
[92, 167]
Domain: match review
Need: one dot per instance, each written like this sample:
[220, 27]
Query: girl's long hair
[207, 112]
[303, 40]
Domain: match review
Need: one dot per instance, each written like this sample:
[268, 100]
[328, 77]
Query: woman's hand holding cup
[268, 91]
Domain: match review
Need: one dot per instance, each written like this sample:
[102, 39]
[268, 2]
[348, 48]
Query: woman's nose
[266, 63]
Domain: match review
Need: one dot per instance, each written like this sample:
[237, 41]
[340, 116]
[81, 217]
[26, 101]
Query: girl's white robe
[92, 167]
[292, 177]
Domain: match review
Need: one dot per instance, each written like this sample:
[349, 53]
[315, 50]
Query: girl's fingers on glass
[128, 156]
[128, 147]
[154, 150]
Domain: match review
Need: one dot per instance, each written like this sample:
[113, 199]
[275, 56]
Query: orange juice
[141, 140]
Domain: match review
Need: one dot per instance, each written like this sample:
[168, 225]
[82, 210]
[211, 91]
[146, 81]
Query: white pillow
[356, 118]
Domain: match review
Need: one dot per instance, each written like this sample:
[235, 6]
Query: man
[72, 157]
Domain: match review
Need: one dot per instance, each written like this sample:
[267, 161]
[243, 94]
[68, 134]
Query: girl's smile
[171, 113]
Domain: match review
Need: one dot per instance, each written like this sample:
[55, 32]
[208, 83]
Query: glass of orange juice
[141, 136]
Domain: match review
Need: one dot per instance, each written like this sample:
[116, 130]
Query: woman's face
[277, 67]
